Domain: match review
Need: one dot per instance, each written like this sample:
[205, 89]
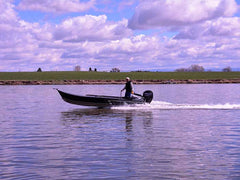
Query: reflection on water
[109, 138]
[86, 116]
[43, 137]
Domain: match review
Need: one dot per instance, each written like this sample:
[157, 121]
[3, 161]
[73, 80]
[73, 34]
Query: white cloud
[7, 15]
[11, 34]
[115, 53]
[172, 13]
[56, 6]
[91, 28]
[221, 27]
[19, 40]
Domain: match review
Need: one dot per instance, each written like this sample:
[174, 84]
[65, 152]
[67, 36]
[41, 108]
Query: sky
[132, 35]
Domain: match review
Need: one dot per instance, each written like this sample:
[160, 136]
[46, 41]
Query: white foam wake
[167, 105]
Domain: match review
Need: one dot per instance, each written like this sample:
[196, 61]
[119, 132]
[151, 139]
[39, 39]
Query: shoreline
[92, 82]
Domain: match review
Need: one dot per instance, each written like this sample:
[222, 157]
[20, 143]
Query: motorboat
[106, 101]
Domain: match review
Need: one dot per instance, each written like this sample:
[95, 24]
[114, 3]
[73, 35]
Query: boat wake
[167, 105]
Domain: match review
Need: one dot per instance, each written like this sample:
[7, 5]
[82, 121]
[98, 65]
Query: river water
[187, 132]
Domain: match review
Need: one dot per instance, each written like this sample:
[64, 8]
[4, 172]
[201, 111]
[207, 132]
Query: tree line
[192, 68]
[78, 68]
[198, 68]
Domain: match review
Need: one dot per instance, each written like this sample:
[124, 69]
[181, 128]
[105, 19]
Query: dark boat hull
[98, 101]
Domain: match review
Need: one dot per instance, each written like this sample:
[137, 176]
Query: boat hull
[98, 101]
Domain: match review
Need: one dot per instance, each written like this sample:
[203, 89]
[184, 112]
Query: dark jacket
[128, 86]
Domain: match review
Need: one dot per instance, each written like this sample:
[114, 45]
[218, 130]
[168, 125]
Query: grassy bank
[83, 75]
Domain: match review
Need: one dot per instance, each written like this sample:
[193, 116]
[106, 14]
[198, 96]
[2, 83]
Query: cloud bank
[161, 13]
[185, 32]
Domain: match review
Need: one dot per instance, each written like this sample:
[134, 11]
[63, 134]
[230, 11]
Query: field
[84, 75]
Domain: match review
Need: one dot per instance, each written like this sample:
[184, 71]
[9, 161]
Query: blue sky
[130, 34]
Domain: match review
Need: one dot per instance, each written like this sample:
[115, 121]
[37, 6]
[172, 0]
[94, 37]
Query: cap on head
[127, 78]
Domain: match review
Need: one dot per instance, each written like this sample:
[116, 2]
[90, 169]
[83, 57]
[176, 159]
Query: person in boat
[128, 88]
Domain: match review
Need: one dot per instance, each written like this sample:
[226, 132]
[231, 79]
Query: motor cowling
[148, 96]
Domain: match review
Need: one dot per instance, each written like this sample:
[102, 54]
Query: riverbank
[79, 82]
[83, 77]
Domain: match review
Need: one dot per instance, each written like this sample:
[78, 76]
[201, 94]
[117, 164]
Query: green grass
[83, 75]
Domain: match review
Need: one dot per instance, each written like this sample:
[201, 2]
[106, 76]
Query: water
[187, 132]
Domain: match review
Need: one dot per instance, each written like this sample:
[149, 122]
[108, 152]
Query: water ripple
[44, 138]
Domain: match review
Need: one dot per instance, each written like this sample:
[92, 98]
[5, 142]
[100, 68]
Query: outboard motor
[148, 96]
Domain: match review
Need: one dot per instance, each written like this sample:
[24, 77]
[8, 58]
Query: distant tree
[77, 68]
[95, 69]
[90, 69]
[192, 68]
[196, 68]
[227, 69]
[115, 70]
[39, 70]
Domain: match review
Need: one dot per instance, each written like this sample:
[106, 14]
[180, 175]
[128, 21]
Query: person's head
[127, 79]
